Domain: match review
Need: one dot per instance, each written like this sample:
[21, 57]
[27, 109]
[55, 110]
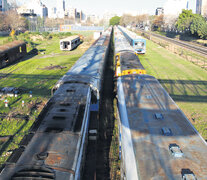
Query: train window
[175, 150]
[20, 49]
[59, 118]
[159, 116]
[166, 131]
[64, 104]
[53, 130]
[68, 43]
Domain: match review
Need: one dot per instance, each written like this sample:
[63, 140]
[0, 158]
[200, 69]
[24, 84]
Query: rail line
[194, 47]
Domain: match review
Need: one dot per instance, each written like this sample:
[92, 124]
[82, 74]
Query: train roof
[11, 45]
[150, 113]
[70, 38]
[121, 43]
[56, 143]
[131, 34]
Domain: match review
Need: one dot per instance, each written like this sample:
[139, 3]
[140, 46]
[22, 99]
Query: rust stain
[54, 159]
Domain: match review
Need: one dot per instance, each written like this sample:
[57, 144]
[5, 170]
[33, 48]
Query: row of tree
[186, 22]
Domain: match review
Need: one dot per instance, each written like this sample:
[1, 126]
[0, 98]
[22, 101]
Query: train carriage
[69, 43]
[157, 140]
[56, 145]
[11, 52]
[127, 62]
[137, 42]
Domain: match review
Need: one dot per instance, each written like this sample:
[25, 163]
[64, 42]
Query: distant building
[34, 7]
[201, 7]
[3, 5]
[44, 11]
[159, 11]
[52, 12]
[60, 9]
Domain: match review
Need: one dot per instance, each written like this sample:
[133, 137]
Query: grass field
[36, 73]
[185, 82]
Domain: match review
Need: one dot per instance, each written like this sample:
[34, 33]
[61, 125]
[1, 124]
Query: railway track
[194, 47]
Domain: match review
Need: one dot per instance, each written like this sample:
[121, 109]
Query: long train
[157, 141]
[55, 147]
[137, 42]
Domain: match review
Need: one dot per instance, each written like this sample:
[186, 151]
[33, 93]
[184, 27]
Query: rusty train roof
[11, 45]
[56, 143]
[149, 108]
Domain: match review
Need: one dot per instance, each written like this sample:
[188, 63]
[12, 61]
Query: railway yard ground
[184, 81]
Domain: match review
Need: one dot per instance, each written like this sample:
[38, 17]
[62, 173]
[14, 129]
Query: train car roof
[132, 35]
[150, 112]
[11, 45]
[70, 38]
[56, 142]
[121, 43]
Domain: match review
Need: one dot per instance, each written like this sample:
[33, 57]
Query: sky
[99, 7]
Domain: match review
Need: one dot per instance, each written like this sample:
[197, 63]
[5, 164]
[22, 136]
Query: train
[55, 147]
[137, 42]
[69, 43]
[156, 140]
[11, 52]
[126, 59]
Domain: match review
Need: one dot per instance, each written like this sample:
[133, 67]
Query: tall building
[44, 11]
[3, 5]
[159, 11]
[60, 8]
[201, 7]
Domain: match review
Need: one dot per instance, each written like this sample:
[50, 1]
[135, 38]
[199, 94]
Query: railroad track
[194, 47]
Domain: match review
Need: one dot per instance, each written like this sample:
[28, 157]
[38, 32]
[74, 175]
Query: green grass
[185, 82]
[29, 74]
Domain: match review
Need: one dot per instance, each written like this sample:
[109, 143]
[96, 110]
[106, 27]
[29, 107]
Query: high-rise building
[201, 7]
[159, 11]
[44, 11]
[3, 5]
[60, 8]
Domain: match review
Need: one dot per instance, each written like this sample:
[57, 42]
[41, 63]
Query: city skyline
[118, 7]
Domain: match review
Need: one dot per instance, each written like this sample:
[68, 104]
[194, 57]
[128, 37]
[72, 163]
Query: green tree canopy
[114, 20]
[184, 20]
[198, 26]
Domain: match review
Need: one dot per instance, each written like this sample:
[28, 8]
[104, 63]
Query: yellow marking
[133, 71]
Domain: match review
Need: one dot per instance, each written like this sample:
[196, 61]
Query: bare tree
[14, 20]
[127, 19]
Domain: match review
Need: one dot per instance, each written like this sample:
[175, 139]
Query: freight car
[156, 139]
[126, 60]
[55, 147]
[69, 43]
[11, 52]
[137, 42]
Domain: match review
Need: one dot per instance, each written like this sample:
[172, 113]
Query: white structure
[34, 6]
[60, 8]
[52, 12]
[174, 7]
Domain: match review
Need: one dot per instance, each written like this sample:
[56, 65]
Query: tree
[158, 22]
[14, 20]
[126, 20]
[198, 26]
[114, 20]
[184, 20]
